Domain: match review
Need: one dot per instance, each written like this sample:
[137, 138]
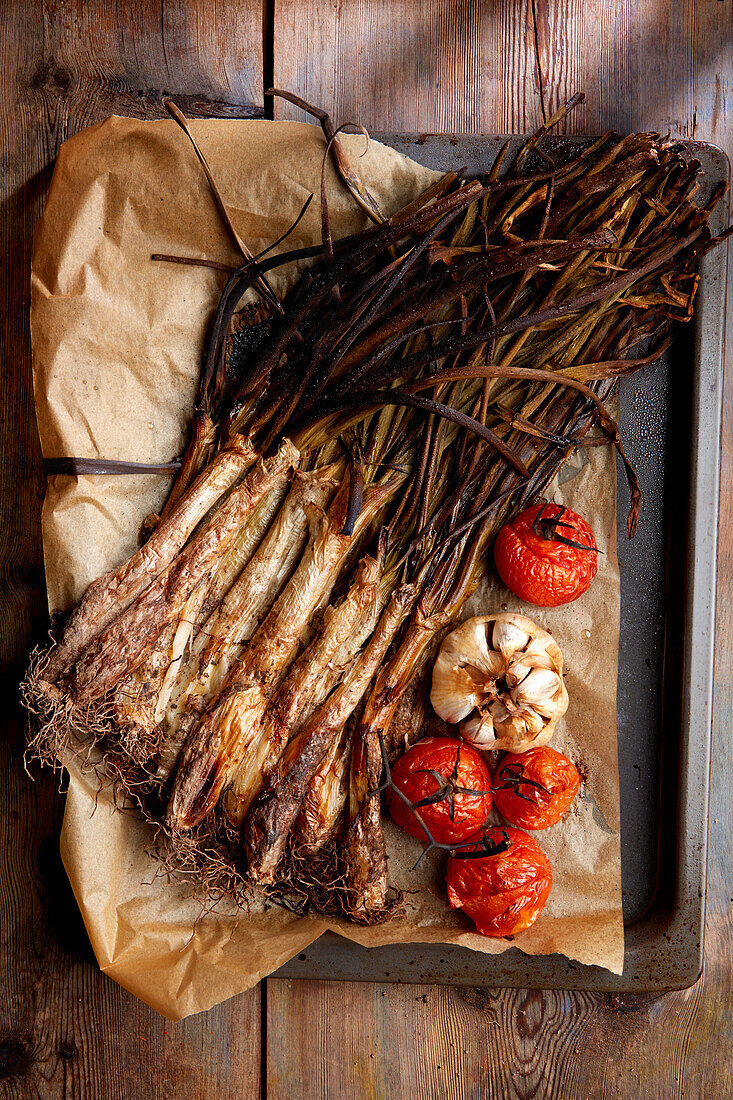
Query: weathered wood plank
[412, 65]
[470, 66]
[66, 1029]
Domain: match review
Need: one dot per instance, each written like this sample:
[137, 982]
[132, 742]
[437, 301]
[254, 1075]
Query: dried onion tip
[500, 677]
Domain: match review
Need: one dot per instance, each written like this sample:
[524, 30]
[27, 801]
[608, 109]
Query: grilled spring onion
[269, 822]
[227, 631]
[111, 594]
[125, 642]
[322, 809]
[142, 699]
[226, 733]
[341, 634]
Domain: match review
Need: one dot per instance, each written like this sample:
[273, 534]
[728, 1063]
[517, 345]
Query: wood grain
[468, 66]
[479, 67]
[411, 65]
[66, 1029]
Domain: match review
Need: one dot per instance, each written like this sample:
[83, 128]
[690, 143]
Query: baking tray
[671, 418]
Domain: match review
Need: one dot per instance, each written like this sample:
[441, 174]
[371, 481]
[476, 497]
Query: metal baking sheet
[670, 417]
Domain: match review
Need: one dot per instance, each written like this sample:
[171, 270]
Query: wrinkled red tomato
[448, 782]
[539, 786]
[547, 555]
[502, 893]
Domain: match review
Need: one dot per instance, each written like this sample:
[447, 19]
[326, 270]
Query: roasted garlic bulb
[500, 677]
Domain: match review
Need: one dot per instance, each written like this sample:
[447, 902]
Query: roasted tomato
[546, 555]
[534, 789]
[449, 785]
[504, 891]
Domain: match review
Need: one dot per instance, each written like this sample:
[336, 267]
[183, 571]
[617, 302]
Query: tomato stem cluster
[514, 778]
[448, 787]
[447, 790]
[546, 527]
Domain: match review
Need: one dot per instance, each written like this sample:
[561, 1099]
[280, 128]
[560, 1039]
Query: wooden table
[446, 65]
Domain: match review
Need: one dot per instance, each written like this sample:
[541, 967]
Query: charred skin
[112, 593]
[192, 630]
[412, 713]
[364, 851]
[227, 632]
[197, 458]
[269, 822]
[166, 667]
[300, 693]
[260, 584]
[175, 723]
[323, 808]
[216, 746]
[211, 754]
[274, 813]
[135, 699]
[123, 645]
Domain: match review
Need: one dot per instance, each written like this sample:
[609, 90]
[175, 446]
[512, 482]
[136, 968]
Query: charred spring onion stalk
[364, 847]
[322, 808]
[236, 559]
[338, 640]
[228, 732]
[111, 594]
[227, 631]
[143, 705]
[246, 666]
[271, 818]
[124, 643]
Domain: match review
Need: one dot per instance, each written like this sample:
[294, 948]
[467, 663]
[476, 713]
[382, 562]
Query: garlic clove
[453, 693]
[534, 656]
[513, 730]
[516, 671]
[561, 704]
[508, 637]
[533, 721]
[539, 688]
[513, 741]
[479, 730]
[468, 645]
[499, 712]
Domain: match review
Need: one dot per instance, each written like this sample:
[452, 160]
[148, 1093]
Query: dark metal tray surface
[670, 417]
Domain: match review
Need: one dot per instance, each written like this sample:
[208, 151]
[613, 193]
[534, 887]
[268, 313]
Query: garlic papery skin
[454, 696]
[508, 637]
[540, 689]
[479, 730]
[500, 677]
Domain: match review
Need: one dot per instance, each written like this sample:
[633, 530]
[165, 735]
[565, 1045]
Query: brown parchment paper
[117, 343]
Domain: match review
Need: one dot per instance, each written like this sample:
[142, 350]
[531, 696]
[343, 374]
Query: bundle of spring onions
[354, 450]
